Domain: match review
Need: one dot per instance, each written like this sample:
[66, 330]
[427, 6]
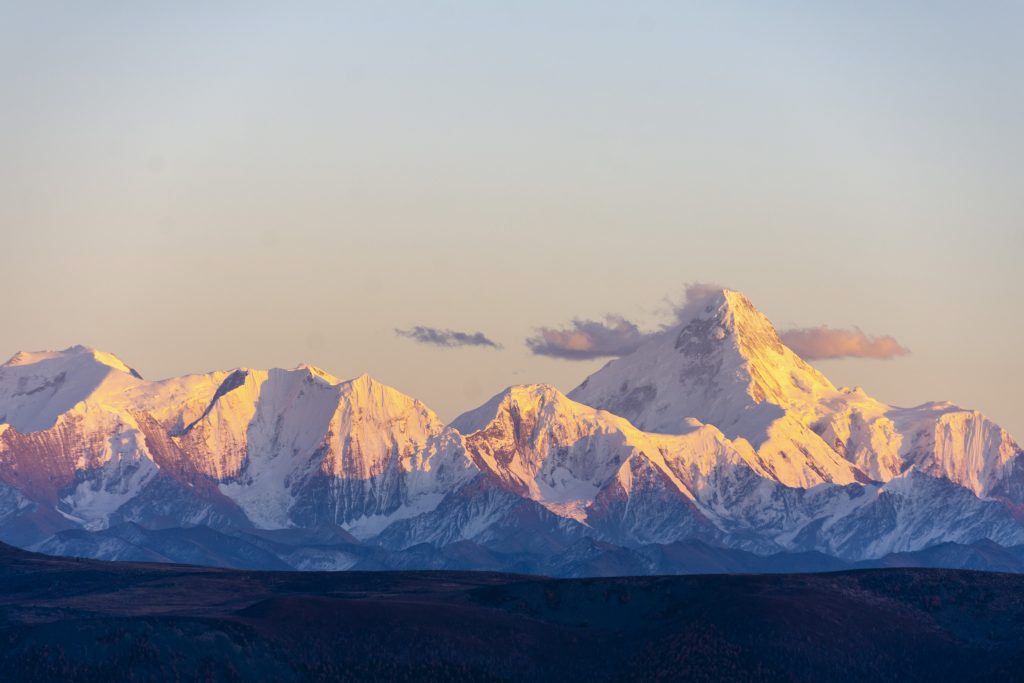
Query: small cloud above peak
[696, 297]
[617, 336]
[824, 343]
[446, 338]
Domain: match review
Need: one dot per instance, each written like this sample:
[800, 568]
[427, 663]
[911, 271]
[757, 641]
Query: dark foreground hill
[65, 619]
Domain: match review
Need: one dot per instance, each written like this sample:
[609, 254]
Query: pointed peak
[702, 300]
[366, 381]
[533, 392]
[534, 395]
[776, 374]
[722, 361]
[317, 373]
[730, 308]
[718, 318]
[742, 307]
[728, 317]
[365, 388]
[515, 398]
[366, 385]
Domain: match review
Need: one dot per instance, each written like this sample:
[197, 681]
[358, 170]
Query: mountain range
[712, 447]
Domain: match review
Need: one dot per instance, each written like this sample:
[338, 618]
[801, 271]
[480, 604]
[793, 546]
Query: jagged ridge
[712, 431]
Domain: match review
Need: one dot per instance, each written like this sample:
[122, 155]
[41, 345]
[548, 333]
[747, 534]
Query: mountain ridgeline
[713, 447]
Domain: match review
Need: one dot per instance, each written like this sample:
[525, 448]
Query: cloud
[614, 336]
[588, 339]
[695, 296]
[446, 338]
[823, 342]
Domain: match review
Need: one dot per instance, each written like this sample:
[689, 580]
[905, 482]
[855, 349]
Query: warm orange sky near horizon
[196, 187]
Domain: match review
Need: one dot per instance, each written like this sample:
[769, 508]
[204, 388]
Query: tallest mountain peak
[723, 363]
[732, 311]
[721, 314]
[728, 320]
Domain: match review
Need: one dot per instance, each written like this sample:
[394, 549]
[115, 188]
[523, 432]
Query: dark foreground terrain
[66, 619]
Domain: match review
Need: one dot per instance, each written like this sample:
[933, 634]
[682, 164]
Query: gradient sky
[199, 186]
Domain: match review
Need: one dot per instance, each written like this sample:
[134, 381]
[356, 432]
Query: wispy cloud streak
[446, 338]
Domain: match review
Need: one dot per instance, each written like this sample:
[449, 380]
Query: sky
[196, 186]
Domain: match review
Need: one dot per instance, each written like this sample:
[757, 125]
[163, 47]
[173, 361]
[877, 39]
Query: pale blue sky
[203, 185]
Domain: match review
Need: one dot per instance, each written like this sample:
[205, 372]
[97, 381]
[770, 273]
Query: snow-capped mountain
[712, 433]
[727, 366]
[88, 440]
[595, 467]
[632, 487]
